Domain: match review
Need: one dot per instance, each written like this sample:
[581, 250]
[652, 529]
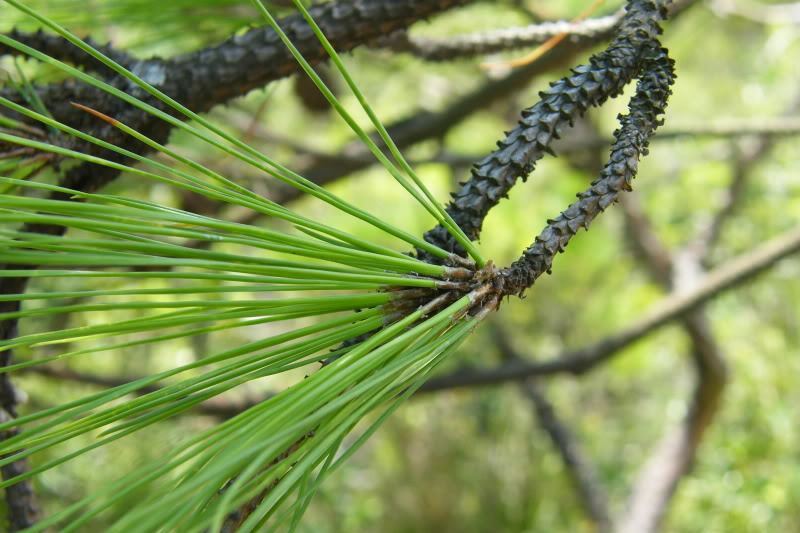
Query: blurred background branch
[420, 450]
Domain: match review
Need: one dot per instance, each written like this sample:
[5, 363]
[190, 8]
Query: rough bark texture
[211, 76]
[498, 40]
[630, 143]
[592, 84]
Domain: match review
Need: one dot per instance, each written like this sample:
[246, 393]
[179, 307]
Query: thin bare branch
[729, 275]
[475, 44]
[749, 153]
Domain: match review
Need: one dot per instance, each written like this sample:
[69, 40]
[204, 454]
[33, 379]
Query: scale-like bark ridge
[630, 143]
[603, 77]
[250, 60]
[211, 76]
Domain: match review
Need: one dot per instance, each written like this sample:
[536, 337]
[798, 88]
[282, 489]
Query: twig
[475, 44]
[548, 44]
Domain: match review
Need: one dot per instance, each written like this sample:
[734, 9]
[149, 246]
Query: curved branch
[631, 141]
[605, 76]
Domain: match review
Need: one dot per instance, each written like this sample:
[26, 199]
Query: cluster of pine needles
[381, 319]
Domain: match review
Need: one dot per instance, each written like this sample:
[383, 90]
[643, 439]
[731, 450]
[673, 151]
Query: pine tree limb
[589, 85]
[630, 143]
[504, 39]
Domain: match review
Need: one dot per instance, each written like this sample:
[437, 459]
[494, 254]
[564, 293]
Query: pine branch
[475, 44]
[200, 81]
[630, 143]
[589, 85]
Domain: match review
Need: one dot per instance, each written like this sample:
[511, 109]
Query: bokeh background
[477, 459]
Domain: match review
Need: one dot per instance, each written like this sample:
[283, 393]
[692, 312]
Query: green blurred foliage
[475, 460]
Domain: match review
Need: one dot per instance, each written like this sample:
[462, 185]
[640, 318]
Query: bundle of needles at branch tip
[380, 318]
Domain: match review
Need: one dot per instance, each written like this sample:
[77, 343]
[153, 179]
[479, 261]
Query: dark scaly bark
[426, 125]
[589, 85]
[245, 62]
[630, 143]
